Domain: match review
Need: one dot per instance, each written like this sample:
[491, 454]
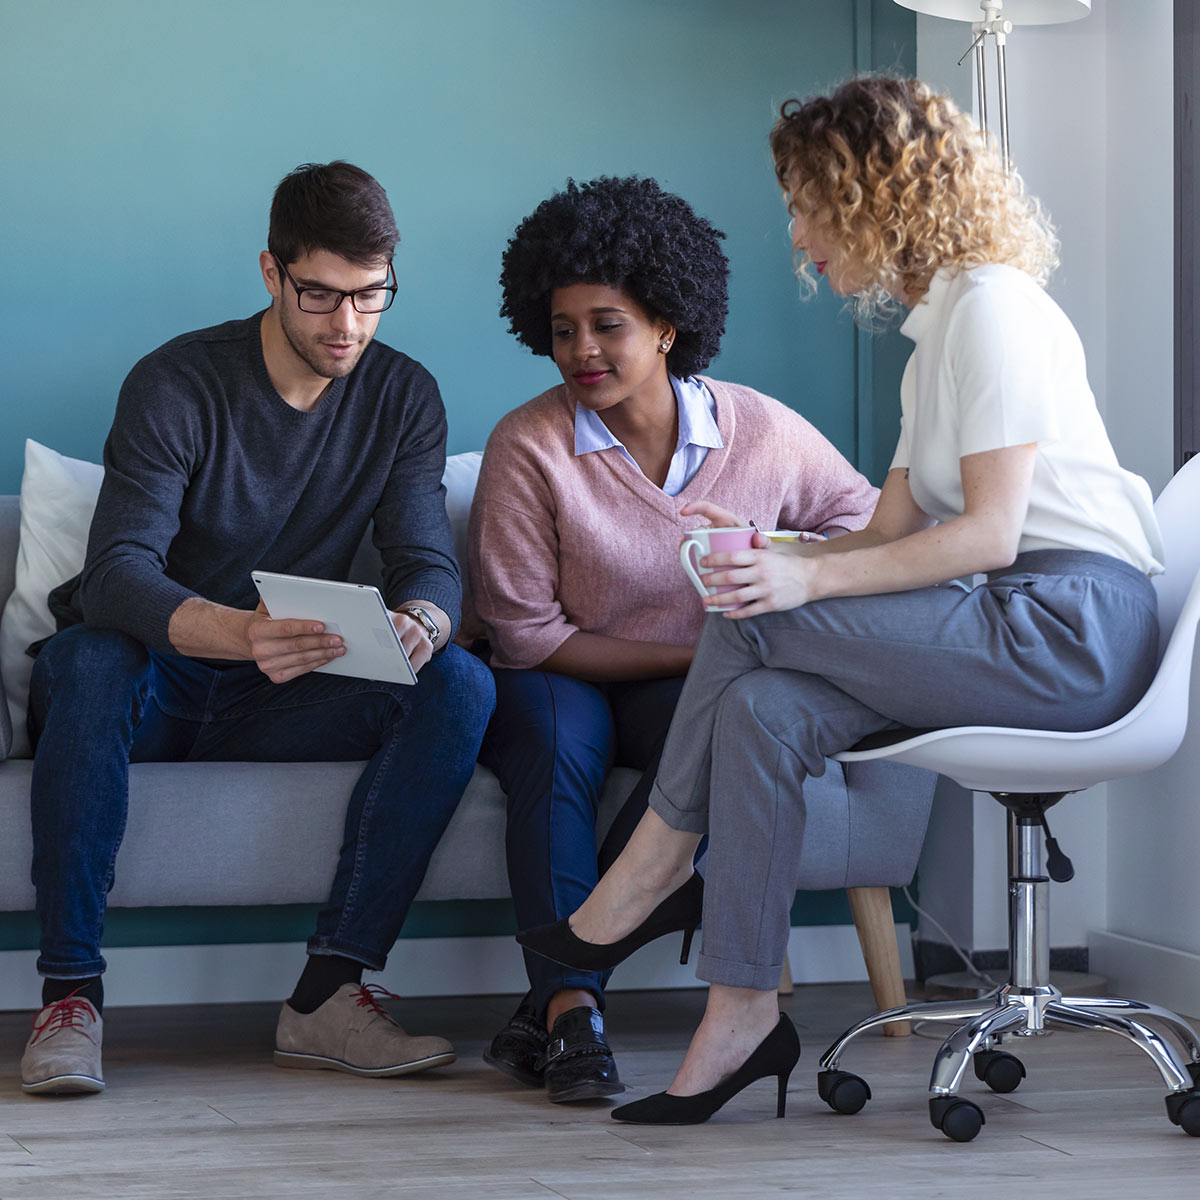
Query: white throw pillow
[459, 480]
[58, 495]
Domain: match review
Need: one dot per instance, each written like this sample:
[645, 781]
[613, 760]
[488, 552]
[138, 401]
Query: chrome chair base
[1022, 1012]
[1023, 1008]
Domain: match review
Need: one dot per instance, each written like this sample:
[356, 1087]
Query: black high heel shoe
[680, 910]
[777, 1054]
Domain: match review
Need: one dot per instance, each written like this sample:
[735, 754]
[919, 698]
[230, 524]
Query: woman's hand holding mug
[745, 573]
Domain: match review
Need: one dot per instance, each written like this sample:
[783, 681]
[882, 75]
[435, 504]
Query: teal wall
[141, 141]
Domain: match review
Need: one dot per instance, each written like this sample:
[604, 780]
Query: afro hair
[625, 233]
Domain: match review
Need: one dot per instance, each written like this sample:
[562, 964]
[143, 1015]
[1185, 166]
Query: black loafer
[518, 1048]
[578, 1062]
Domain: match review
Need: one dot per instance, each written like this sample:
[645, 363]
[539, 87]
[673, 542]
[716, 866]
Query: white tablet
[354, 611]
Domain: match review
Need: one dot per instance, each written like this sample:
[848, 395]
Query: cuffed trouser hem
[682, 820]
[738, 974]
[368, 958]
[88, 970]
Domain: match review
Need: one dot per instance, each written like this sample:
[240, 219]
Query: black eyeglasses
[325, 300]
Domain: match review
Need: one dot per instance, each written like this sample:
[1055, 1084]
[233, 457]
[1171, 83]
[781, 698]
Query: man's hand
[282, 649]
[414, 639]
[413, 636]
[285, 649]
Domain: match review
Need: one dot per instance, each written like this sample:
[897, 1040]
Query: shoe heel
[781, 1104]
[686, 952]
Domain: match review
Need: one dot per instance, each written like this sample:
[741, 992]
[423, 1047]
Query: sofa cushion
[269, 833]
[459, 480]
[262, 833]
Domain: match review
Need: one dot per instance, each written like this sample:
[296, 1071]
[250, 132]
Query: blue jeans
[100, 700]
[551, 743]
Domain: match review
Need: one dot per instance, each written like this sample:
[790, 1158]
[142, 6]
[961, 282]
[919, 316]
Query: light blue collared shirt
[698, 433]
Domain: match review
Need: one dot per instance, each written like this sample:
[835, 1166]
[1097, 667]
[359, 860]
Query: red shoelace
[369, 996]
[67, 1013]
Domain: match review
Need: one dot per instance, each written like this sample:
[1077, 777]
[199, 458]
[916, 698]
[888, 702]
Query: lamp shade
[1019, 12]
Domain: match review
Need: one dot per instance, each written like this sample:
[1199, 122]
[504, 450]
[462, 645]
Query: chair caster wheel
[843, 1092]
[1184, 1110]
[1000, 1071]
[958, 1119]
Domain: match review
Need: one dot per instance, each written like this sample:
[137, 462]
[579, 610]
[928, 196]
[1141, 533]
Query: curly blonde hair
[902, 183]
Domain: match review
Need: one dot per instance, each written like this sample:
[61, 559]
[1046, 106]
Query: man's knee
[86, 669]
[461, 687]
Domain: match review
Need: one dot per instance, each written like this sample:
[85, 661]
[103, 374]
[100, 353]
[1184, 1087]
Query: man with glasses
[267, 443]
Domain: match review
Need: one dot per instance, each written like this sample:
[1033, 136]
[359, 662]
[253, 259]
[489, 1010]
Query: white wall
[1140, 236]
[1096, 144]
[1057, 139]
[1154, 820]
[1091, 113]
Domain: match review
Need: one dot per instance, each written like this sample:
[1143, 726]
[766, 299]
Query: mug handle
[685, 560]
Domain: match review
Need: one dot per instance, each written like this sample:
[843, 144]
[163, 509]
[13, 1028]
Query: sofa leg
[872, 909]
[786, 987]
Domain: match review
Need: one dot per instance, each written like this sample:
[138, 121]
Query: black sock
[323, 975]
[91, 989]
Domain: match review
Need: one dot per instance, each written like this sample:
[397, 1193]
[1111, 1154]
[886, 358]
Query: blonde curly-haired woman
[1003, 469]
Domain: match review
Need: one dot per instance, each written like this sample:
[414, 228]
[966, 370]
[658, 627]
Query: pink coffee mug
[700, 542]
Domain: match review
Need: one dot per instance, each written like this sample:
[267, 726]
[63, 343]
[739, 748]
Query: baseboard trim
[469, 966]
[1147, 971]
[936, 958]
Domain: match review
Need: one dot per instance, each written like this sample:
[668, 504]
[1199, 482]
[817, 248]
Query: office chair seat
[1028, 771]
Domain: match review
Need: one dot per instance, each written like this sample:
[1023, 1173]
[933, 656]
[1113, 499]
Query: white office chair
[1028, 770]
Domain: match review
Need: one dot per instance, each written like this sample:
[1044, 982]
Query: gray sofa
[268, 833]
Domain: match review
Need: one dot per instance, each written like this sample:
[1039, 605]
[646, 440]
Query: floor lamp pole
[999, 28]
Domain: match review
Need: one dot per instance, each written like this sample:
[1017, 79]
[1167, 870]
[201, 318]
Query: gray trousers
[1060, 640]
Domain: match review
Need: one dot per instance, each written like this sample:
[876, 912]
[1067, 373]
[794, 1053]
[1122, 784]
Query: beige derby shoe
[352, 1032]
[62, 1055]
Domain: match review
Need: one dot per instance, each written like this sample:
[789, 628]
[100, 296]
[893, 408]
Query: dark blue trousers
[551, 742]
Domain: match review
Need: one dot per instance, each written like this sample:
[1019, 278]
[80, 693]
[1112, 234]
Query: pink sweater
[561, 544]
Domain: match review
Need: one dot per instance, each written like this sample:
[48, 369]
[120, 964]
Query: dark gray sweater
[209, 474]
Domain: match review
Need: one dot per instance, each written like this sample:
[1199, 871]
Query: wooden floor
[194, 1108]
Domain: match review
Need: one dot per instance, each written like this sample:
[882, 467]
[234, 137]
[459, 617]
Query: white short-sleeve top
[997, 363]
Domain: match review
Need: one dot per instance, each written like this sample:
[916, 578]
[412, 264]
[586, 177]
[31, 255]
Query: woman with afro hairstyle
[1003, 470]
[584, 495]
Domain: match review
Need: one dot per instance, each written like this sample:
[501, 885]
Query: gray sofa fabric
[268, 833]
[257, 833]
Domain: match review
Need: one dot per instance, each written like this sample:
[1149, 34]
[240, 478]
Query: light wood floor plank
[195, 1109]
